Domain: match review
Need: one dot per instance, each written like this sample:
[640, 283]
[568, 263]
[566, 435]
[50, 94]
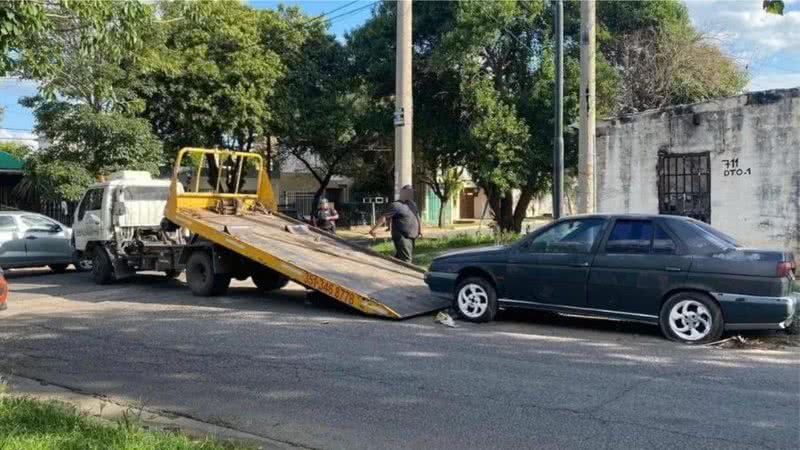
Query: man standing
[405, 224]
[325, 217]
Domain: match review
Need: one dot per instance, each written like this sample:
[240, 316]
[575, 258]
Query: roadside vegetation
[428, 248]
[31, 424]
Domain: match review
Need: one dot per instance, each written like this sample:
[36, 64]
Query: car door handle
[672, 269]
[30, 237]
[583, 264]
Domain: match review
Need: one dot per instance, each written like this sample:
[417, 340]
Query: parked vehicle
[31, 240]
[119, 228]
[3, 291]
[689, 278]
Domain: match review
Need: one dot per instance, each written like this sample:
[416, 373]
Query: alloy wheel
[690, 320]
[473, 300]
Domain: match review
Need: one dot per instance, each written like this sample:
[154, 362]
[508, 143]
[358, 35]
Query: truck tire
[102, 269]
[267, 279]
[201, 277]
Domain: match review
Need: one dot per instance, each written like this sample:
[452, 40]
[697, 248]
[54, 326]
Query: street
[318, 376]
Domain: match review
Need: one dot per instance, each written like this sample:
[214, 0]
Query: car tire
[475, 300]
[58, 268]
[84, 264]
[102, 269]
[201, 277]
[691, 318]
[794, 328]
[267, 279]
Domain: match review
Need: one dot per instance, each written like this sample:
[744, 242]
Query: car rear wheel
[475, 300]
[201, 277]
[691, 318]
[58, 268]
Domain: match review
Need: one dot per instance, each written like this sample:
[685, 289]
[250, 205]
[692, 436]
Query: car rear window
[698, 239]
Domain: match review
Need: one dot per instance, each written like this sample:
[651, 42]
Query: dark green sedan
[685, 276]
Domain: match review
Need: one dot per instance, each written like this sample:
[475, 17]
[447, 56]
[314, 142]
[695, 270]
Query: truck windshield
[143, 193]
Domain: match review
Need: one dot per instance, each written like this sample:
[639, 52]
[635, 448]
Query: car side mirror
[94, 219]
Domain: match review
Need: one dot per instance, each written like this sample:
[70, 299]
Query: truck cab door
[89, 218]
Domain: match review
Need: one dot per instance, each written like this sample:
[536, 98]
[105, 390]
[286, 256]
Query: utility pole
[558, 141]
[404, 106]
[586, 192]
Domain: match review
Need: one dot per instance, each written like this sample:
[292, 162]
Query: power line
[313, 19]
[331, 19]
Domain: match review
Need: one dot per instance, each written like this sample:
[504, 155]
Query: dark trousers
[404, 247]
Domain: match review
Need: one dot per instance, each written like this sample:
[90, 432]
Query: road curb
[109, 409]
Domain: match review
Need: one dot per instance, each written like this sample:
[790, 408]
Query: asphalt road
[322, 377]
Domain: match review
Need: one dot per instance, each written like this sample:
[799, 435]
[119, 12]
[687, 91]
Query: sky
[767, 45]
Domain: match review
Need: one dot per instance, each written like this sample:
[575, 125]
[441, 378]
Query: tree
[38, 38]
[319, 111]
[213, 74]
[85, 144]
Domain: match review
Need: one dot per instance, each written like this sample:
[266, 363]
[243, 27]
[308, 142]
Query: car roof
[628, 216]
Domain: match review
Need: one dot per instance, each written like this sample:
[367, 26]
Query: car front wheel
[691, 318]
[475, 300]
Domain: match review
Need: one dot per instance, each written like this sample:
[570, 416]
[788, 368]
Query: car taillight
[786, 268]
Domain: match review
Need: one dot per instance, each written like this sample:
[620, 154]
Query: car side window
[663, 244]
[630, 236]
[32, 221]
[8, 224]
[572, 236]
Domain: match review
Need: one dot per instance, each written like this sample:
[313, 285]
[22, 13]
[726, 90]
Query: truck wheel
[58, 268]
[102, 269]
[201, 277]
[267, 279]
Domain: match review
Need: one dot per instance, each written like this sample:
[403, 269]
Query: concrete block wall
[756, 199]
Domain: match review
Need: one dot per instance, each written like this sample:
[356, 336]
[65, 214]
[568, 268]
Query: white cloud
[19, 137]
[767, 44]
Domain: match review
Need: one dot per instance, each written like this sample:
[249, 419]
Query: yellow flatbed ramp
[360, 278]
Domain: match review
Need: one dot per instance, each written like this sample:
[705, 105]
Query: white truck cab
[117, 218]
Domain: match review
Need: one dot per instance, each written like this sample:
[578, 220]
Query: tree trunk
[506, 221]
[442, 205]
[521, 209]
[320, 190]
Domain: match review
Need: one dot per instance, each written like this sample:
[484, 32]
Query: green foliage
[425, 249]
[773, 6]
[19, 151]
[34, 425]
[46, 40]
[213, 73]
[101, 142]
[47, 179]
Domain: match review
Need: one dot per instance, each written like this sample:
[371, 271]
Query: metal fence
[62, 211]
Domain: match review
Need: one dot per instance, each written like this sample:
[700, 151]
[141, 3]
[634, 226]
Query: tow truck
[222, 222]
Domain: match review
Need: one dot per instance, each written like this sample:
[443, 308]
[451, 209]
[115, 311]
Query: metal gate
[684, 185]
